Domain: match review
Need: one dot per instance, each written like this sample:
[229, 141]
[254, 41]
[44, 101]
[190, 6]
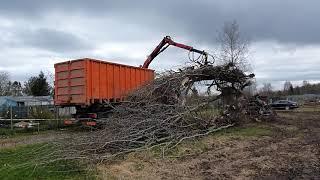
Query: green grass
[33, 162]
[7, 132]
[45, 126]
[18, 132]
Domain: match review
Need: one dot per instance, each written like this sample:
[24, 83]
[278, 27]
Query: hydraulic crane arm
[164, 44]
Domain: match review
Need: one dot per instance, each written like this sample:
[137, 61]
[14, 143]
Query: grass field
[33, 162]
[285, 148]
[7, 132]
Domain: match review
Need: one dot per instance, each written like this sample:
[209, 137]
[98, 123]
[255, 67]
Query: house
[7, 101]
[21, 105]
[21, 101]
[33, 101]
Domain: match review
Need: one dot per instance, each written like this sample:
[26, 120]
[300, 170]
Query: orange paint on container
[85, 81]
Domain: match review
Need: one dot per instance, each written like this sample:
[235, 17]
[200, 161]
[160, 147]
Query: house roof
[27, 98]
[7, 101]
[33, 98]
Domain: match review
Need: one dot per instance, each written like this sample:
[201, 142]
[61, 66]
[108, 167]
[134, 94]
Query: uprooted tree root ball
[159, 114]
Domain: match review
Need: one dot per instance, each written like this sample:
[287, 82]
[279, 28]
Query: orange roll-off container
[83, 82]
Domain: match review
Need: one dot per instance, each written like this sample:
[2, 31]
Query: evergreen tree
[37, 86]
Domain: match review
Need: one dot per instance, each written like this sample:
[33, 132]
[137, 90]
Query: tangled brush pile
[157, 114]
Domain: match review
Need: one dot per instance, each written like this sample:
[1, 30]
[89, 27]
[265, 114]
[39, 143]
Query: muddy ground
[288, 148]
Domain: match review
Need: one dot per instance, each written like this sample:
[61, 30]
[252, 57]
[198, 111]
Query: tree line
[34, 86]
[289, 89]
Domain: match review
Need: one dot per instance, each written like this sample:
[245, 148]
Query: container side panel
[78, 90]
[84, 81]
[77, 64]
[61, 83]
[95, 80]
[147, 74]
[62, 99]
[140, 77]
[103, 81]
[122, 81]
[137, 74]
[63, 91]
[133, 78]
[116, 89]
[77, 99]
[89, 81]
[62, 75]
[110, 80]
[143, 76]
[127, 76]
[77, 82]
[62, 67]
[77, 73]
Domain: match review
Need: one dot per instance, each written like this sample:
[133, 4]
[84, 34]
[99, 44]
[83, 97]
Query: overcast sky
[35, 34]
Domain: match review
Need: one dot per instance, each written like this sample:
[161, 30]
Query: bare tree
[251, 89]
[16, 89]
[4, 83]
[266, 89]
[234, 48]
[288, 88]
[305, 83]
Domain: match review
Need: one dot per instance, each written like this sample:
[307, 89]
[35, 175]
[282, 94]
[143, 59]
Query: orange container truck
[92, 85]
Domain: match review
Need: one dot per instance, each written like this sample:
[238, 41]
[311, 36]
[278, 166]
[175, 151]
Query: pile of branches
[159, 114]
[173, 87]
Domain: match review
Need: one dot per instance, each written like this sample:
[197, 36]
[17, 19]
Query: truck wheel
[287, 107]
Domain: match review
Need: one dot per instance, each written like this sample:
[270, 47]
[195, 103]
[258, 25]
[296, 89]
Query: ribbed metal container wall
[85, 81]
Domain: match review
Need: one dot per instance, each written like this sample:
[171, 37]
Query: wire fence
[32, 118]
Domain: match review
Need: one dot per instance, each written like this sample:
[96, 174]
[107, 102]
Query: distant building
[7, 101]
[304, 97]
[21, 101]
[22, 105]
[33, 100]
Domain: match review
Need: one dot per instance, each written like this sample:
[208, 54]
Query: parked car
[284, 104]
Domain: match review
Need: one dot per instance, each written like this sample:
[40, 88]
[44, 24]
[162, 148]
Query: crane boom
[164, 44]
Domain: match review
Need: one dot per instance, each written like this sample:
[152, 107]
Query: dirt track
[290, 151]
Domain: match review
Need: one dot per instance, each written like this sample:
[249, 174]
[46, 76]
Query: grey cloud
[45, 39]
[44, 25]
[287, 71]
[286, 21]
[52, 40]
